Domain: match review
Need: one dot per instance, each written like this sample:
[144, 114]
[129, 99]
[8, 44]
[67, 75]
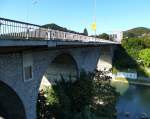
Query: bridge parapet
[11, 29]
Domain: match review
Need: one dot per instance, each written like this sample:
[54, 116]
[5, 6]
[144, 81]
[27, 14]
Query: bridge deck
[20, 35]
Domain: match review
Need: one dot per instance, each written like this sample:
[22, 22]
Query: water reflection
[121, 86]
[134, 101]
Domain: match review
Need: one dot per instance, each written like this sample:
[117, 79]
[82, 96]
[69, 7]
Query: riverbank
[133, 82]
[120, 85]
[139, 83]
[118, 80]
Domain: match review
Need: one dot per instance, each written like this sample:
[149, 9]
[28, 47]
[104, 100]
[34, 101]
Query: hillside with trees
[137, 32]
[60, 28]
[134, 52]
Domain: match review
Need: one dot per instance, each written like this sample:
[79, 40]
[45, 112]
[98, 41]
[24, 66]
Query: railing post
[52, 34]
[48, 34]
[64, 35]
[27, 37]
[39, 32]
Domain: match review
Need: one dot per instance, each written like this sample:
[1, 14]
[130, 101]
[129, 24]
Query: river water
[134, 101]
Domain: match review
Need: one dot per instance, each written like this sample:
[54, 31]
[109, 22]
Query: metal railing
[11, 29]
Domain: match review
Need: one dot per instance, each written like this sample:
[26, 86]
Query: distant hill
[57, 27]
[137, 32]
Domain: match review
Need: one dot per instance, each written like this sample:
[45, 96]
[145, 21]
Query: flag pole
[95, 16]
[27, 10]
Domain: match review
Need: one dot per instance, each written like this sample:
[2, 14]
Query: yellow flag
[93, 26]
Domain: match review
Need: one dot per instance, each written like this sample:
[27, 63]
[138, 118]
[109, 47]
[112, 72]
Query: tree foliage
[85, 32]
[146, 42]
[127, 55]
[144, 55]
[84, 98]
[68, 100]
[104, 36]
[57, 27]
[137, 32]
[133, 46]
[105, 96]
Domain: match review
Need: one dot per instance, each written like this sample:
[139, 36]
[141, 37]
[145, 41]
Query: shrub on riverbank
[84, 98]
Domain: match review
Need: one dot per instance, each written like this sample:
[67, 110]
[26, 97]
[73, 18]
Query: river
[134, 101]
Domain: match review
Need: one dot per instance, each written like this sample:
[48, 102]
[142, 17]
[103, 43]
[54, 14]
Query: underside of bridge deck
[10, 46]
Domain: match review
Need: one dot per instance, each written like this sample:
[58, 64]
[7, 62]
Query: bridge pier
[15, 94]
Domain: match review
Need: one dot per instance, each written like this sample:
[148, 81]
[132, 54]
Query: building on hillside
[118, 36]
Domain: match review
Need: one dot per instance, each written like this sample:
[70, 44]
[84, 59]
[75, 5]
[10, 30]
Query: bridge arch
[62, 65]
[11, 106]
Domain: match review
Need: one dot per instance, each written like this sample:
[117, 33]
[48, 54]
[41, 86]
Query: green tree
[104, 36]
[144, 55]
[133, 46]
[85, 32]
[146, 42]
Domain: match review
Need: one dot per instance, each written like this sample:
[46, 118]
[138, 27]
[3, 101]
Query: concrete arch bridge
[31, 54]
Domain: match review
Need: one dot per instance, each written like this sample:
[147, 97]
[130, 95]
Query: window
[28, 73]
[27, 66]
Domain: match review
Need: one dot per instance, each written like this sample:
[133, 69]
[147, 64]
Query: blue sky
[111, 15]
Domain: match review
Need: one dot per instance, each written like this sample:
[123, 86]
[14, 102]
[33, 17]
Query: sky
[111, 15]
